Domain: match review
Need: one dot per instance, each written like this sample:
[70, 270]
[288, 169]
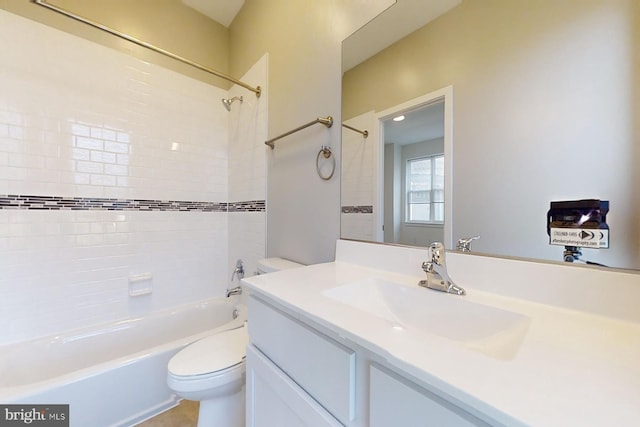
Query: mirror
[545, 100]
[413, 175]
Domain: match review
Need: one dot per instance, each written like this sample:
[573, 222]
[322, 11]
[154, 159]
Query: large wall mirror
[545, 100]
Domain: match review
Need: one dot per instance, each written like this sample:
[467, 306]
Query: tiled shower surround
[111, 168]
[359, 186]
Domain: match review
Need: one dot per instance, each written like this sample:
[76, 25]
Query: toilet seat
[212, 371]
[210, 357]
[206, 386]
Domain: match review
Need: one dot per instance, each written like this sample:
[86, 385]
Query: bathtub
[112, 374]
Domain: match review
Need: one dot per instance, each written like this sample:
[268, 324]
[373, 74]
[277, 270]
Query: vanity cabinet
[273, 399]
[299, 375]
[321, 366]
[396, 401]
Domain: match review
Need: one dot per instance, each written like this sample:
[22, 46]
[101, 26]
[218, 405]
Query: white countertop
[572, 367]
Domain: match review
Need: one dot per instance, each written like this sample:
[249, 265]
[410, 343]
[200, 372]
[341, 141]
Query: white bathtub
[113, 374]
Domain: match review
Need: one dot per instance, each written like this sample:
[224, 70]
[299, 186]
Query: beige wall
[303, 40]
[167, 24]
[635, 227]
[471, 44]
[545, 108]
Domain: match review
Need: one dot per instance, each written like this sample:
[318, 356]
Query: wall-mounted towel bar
[144, 44]
[327, 121]
[364, 133]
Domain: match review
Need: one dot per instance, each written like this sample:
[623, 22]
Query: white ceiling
[398, 21]
[422, 124]
[222, 11]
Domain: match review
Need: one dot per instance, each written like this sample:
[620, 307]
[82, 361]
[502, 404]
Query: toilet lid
[269, 265]
[211, 354]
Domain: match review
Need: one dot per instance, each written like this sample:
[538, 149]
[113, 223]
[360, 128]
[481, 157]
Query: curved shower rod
[144, 44]
[365, 133]
[327, 121]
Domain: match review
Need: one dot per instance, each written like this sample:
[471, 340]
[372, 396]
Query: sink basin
[489, 330]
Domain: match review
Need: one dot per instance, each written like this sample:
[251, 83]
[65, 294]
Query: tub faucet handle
[239, 271]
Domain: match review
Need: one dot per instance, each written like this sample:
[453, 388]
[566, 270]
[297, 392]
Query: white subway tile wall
[247, 241]
[247, 170]
[358, 226]
[247, 133]
[359, 179]
[79, 121]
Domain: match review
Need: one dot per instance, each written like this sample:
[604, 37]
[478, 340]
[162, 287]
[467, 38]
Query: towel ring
[325, 151]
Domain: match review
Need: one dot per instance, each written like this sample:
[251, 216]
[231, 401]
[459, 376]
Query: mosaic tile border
[11, 201]
[357, 209]
[250, 206]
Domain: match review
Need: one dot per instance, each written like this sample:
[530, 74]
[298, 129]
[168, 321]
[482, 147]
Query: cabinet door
[274, 400]
[396, 401]
[323, 367]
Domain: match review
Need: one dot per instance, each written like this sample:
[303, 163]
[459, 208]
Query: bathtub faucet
[234, 291]
[239, 271]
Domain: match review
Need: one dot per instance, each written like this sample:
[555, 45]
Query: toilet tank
[269, 265]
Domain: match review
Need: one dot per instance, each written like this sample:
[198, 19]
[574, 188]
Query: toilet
[269, 265]
[212, 370]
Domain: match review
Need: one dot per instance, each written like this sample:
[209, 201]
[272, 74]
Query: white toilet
[212, 370]
[269, 265]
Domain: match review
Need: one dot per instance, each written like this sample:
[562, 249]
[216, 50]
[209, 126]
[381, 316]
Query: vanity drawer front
[273, 399]
[389, 392]
[323, 367]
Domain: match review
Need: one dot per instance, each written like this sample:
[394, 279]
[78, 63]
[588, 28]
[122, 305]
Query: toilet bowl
[212, 370]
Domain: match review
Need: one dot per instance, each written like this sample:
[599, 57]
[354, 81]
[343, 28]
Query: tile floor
[183, 415]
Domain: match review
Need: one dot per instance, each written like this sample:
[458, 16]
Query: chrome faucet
[239, 273]
[436, 269]
[234, 291]
[464, 244]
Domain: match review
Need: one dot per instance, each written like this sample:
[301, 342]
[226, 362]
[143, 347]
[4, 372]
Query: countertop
[571, 367]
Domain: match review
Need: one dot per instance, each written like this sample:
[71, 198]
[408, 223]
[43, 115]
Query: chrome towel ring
[325, 152]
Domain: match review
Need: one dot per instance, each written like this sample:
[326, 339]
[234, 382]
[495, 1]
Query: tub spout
[234, 291]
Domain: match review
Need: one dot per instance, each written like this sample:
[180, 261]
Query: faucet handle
[239, 271]
[464, 243]
[427, 266]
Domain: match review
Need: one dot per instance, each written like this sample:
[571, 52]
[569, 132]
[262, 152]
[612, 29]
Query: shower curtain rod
[364, 133]
[327, 121]
[144, 44]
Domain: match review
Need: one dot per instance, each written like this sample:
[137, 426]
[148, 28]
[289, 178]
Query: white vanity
[357, 342]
